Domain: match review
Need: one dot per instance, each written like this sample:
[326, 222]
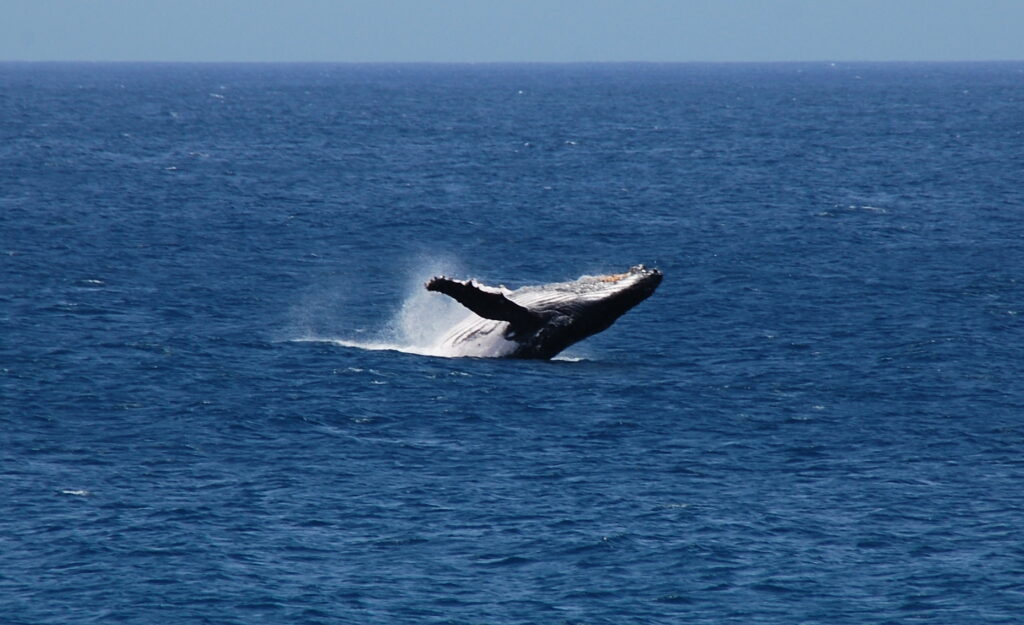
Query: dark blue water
[818, 418]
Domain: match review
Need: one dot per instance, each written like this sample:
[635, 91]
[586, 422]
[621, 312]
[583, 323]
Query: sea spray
[416, 326]
[423, 320]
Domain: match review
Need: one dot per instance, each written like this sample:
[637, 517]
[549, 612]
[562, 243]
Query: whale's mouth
[638, 272]
[637, 277]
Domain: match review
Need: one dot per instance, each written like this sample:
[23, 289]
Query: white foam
[376, 346]
[564, 358]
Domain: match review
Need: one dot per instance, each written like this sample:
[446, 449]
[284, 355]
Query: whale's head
[613, 294]
[590, 304]
[632, 287]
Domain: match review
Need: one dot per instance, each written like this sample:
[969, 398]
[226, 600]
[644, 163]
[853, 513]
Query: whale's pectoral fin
[488, 302]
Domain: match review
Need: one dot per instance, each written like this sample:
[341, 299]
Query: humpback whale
[539, 321]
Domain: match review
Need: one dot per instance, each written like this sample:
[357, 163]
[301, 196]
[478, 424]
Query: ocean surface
[214, 406]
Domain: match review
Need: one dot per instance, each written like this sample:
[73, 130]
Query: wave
[371, 345]
[410, 348]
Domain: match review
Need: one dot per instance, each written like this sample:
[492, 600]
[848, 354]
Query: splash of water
[424, 319]
[416, 327]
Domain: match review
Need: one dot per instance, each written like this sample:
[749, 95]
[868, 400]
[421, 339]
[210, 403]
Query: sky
[511, 30]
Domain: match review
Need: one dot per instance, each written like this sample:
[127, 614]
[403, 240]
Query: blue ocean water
[211, 412]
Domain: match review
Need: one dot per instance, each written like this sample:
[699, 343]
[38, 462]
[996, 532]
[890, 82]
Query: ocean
[215, 406]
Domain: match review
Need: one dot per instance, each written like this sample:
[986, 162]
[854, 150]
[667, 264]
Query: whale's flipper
[488, 302]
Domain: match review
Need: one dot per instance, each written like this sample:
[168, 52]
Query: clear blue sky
[511, 30]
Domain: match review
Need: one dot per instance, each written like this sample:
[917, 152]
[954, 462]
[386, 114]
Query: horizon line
[493, 62]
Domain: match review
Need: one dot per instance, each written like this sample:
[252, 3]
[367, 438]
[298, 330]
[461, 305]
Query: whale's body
[539, 321]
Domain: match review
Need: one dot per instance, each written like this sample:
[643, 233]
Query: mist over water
[416, 325]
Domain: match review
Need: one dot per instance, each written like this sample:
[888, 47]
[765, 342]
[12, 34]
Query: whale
[539, 321]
